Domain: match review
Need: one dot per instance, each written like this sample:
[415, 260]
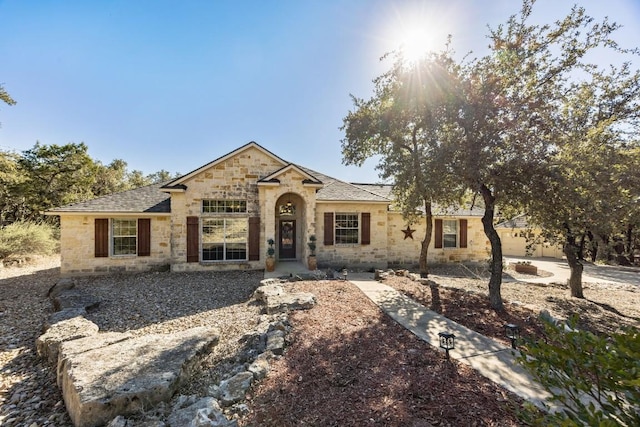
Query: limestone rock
[48, 344]
[233, 390]
[293, 301]
[275, 342]
[128, 375]
[263, 293]
[59, 316]
[203, 412]
[260, 366]
[61, 285]
[74, 298]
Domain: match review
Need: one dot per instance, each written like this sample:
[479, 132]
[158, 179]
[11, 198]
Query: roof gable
[179, 183]
[308, 178]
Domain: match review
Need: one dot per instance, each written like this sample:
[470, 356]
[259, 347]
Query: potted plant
[311, 260]
[270, 262]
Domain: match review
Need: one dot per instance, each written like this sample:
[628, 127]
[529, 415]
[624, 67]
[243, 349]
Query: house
[221, 215]
[520, 239]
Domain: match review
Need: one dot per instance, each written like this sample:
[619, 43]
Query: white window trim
[112, 237]
[457, 234]
[335, 229]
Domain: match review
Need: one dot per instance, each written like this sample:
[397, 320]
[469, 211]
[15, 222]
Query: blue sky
[175, 84]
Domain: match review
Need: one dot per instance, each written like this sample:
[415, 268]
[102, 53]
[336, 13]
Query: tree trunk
[603, 253]
[424, 248]
[495, 298]
[576, 267]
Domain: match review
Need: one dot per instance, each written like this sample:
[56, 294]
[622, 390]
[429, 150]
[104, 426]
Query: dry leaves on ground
[349, 364]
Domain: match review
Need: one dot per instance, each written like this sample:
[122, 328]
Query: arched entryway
[289, 226]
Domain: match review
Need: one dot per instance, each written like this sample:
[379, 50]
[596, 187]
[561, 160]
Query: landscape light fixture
[512, 332]
[447, 341]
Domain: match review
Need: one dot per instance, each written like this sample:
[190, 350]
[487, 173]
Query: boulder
[280, 303]
[260, 366]
[264, 292]
[204, 412]
[59, 316]
[234, 389]
[102, 380]
[61, 285]
[48, 344]
[74, 298]
[275, 342]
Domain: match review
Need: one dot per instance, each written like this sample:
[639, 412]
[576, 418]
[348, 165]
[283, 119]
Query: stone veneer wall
[356, 256]
[291, 182]
[77, 246]
[407, 251]
[234, 178]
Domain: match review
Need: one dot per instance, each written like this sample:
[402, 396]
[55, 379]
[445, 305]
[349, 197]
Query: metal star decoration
[408, 232]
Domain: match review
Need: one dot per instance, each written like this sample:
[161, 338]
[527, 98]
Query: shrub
[594, 380]
[27, 238]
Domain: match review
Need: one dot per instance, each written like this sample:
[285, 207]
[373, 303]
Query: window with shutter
[328, 228]
[193, 247]
[254, 238]
[463, 233]
[101, 237]
[366, 228]
[438, 233]
[144, 237]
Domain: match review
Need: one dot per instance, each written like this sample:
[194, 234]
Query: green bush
[594, 380]
[27, 238]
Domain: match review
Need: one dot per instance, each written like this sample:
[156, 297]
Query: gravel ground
[167, 302]
[139, 303]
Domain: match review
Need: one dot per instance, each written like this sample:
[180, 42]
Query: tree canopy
[47, 176]
[507, 124]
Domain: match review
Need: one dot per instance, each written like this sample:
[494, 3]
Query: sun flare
[414, 43]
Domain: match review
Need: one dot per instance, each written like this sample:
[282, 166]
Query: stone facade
[405, 251]
[77, 246]
[265, 183]
[358, 256]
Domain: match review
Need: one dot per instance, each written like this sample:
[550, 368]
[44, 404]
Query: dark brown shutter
[254, 238]
[366, 228]
[144, 237]
[463, 233]
[438, 234]
[102, 237]
[193, 248]
[328, 228]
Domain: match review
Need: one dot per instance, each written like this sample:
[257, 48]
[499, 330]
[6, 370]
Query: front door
[287, 248]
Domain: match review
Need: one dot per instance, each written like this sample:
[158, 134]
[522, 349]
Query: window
[224, 239]
[450, 233]
[346, 227]
[124, 233]
[224, 206]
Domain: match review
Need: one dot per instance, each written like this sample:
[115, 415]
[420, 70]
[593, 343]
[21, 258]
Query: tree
[5, 97]
[516, 117]
[55, 175]
[593, 155]
[403, 123]
[10, 181]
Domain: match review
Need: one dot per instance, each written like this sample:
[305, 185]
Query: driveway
[592, 272]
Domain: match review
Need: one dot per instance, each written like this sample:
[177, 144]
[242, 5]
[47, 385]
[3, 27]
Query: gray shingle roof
[519, 221]
[148, 199]
[334, 190]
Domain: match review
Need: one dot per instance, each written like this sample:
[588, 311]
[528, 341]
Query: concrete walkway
[493, 360]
